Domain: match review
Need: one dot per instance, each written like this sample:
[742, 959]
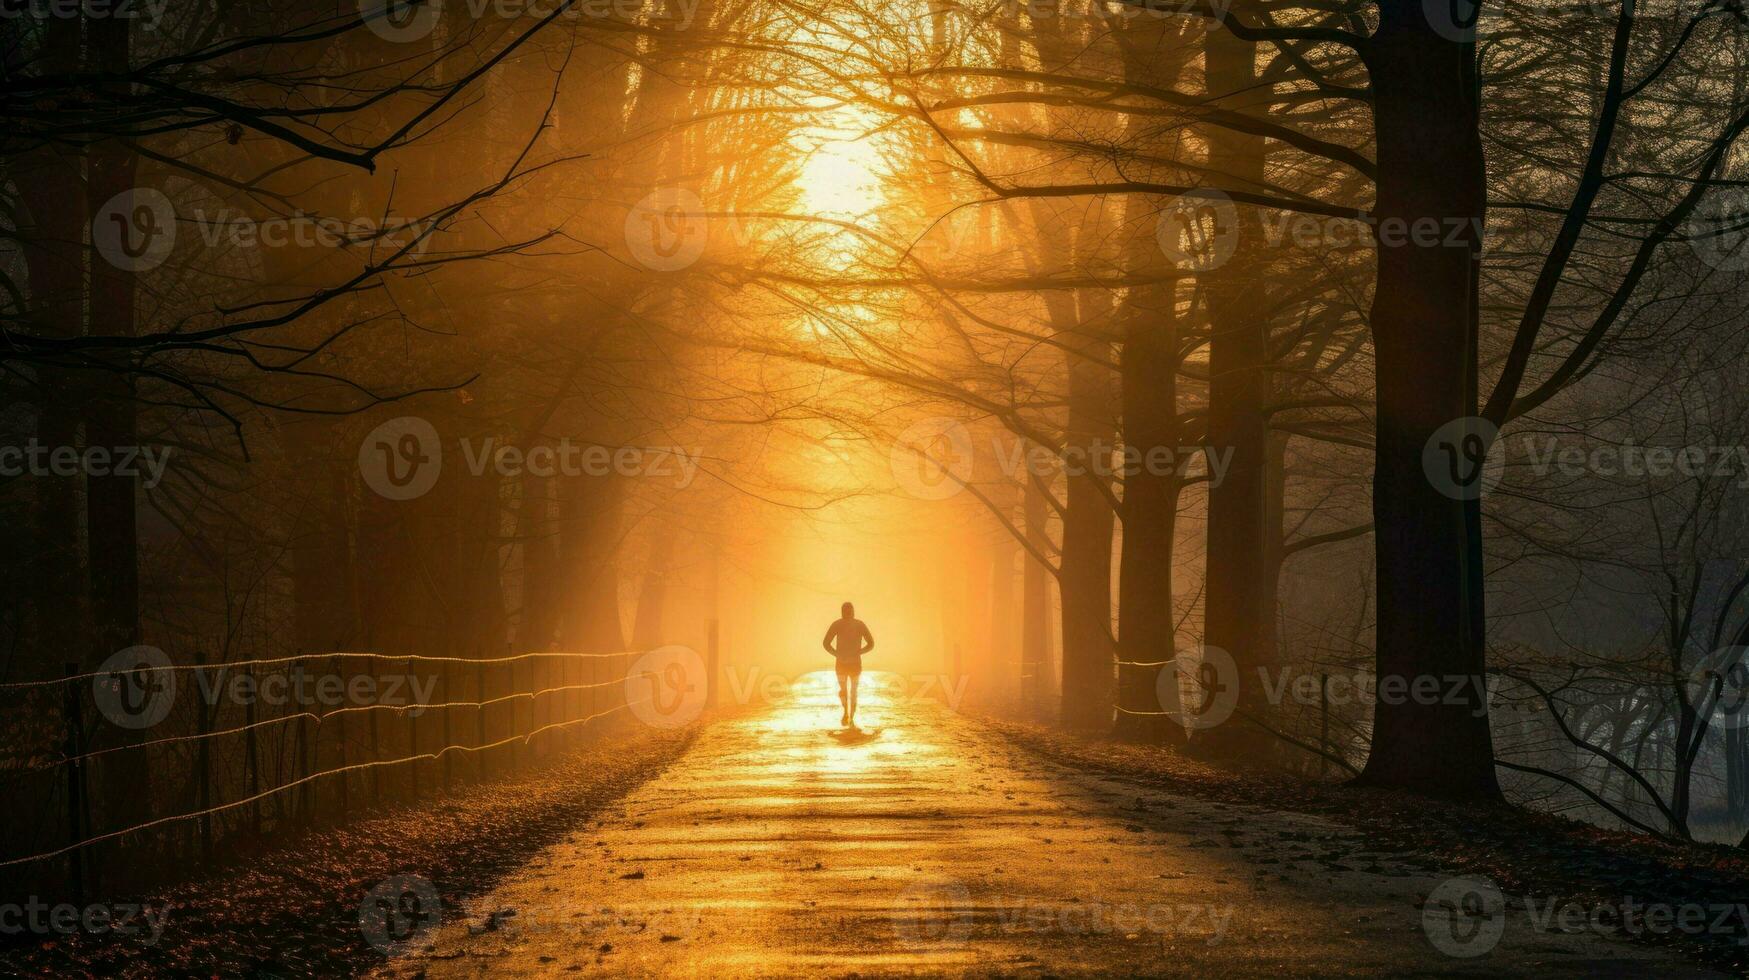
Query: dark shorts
[849, 666]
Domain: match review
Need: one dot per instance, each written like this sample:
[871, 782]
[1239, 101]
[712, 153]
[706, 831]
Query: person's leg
[855, 682]
[844, 697]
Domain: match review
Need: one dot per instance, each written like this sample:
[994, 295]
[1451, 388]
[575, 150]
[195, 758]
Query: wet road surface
[782, 846]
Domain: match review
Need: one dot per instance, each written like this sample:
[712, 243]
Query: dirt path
[777, 846]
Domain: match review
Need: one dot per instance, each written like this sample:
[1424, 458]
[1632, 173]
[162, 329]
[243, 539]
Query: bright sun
[840, 178]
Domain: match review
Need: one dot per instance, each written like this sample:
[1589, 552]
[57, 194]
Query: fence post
[203, 722]
[546, 711]
[448, 729]
[1323, 721]
[412, 744]
[306, 747]
[376, 752]
[340, 735]
[537, 705]
[251, 767]
[573, 702]
[590, 669]
[515, 749]
[710, 666]
[480, 719]
[74, 746]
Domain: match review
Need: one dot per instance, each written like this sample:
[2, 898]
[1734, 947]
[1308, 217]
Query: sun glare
[840, 179]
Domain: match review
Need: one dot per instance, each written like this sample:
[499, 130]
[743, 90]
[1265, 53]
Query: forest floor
[770, 843]
[294, 910]
[1540, 859]
[929, 843]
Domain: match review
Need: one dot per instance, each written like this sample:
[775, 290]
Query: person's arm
[827, 642]
[867, 639]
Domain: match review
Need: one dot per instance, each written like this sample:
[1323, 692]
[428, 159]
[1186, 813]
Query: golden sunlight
[840, 178]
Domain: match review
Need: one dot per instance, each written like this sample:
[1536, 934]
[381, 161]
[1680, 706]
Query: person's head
[848, 610]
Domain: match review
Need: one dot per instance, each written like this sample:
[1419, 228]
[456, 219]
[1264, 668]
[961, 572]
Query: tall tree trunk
[1274, 537]
[110, 503]
[1424, 321]
[111, 515]
[1035, 599]
[1003, 653]
[50, 184]
[1237, 617]
[1147, 627]
[1089, 660]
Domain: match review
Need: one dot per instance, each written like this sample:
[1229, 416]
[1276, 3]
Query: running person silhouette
[848, 639]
